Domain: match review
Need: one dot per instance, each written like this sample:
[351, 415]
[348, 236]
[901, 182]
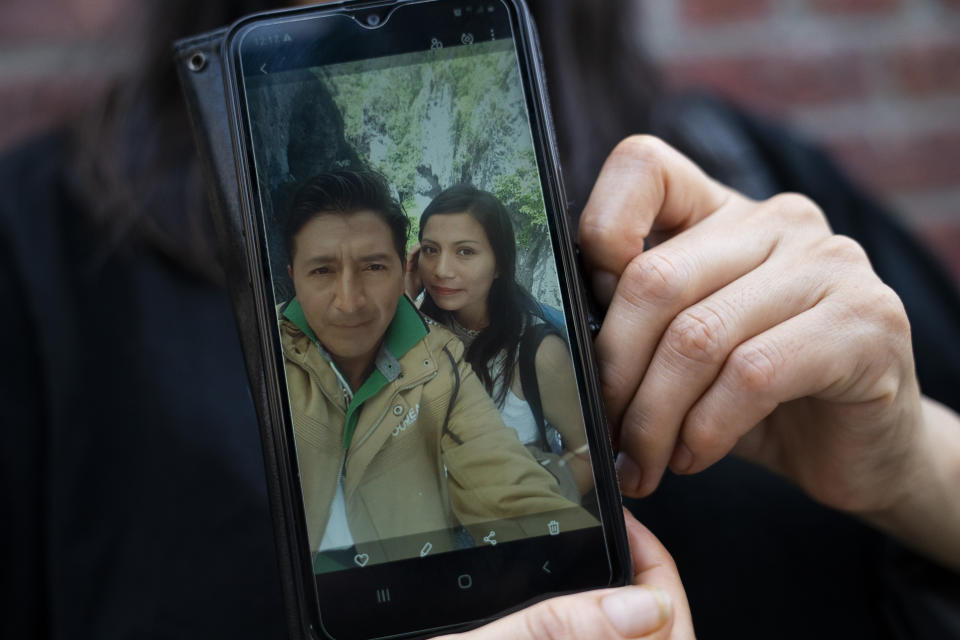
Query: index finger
[644, 185]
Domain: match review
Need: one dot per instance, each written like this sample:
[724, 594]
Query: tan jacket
[404, 477]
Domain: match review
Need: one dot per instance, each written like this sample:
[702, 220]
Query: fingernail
[630, 474]
[682, 458]
[604, 284]
[636, 611]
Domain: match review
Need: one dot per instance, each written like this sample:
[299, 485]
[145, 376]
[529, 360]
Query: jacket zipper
[376, 424]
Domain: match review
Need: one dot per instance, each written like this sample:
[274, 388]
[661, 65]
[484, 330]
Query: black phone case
[201, 69]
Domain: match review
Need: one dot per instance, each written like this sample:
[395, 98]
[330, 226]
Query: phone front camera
[373, 19]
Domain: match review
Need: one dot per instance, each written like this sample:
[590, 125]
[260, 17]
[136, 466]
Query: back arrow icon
[263, 68]
[545, 567]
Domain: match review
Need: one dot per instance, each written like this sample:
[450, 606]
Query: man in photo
[395, 435]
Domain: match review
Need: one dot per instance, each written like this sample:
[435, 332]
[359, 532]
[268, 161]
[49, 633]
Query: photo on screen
[434, 402]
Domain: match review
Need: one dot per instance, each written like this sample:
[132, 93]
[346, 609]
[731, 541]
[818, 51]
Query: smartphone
[435, 470]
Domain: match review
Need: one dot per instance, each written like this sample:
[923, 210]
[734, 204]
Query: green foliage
[520, 193]
[427, 127]
[414, 231]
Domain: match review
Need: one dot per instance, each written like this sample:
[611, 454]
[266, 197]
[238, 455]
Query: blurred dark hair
[601, 84]
[513, 306]
[134, 162]
[345, 192]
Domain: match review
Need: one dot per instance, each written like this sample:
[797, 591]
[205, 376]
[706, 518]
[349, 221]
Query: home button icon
[465, 581]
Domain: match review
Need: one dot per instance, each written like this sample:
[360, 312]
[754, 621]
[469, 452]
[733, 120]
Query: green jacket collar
[406, 329]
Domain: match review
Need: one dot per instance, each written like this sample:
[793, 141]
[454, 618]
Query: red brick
[776, 83]
[943, 237]
[898, 164]
[928, 68]
[714, 11]
[31, 20]
[855, 6]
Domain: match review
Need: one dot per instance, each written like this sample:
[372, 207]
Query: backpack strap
[453, 398]
[529, 344]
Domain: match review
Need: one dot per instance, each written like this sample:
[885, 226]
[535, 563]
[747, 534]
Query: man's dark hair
[346, 192]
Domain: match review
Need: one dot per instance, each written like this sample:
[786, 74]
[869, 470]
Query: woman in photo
[465, 264]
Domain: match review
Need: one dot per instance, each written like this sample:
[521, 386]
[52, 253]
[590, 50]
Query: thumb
[627, 612]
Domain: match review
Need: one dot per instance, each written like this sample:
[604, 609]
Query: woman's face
[458, 267]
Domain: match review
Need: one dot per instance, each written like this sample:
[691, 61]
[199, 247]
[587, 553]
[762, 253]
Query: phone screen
[423, 327]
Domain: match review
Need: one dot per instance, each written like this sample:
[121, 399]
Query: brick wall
[54, 57]
[875, 81]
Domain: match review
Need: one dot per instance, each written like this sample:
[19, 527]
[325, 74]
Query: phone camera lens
[373, 19]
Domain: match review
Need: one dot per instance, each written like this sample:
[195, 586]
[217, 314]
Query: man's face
[348, 278]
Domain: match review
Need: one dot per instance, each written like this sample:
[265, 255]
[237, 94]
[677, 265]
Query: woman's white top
[516, 414]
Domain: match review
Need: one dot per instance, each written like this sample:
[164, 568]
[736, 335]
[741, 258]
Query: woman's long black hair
[133, 159]
[510, 306]
[602, 87]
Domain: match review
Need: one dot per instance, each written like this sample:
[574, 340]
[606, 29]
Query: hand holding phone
[415, 486]
[655, 608]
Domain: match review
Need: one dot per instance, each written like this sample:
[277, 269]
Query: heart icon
[361, 559]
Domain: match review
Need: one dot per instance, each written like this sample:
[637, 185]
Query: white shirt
[517, 415]
[337, 534]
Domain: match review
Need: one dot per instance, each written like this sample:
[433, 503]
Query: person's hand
[656, 608]
[736, 325]
[411, 273]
